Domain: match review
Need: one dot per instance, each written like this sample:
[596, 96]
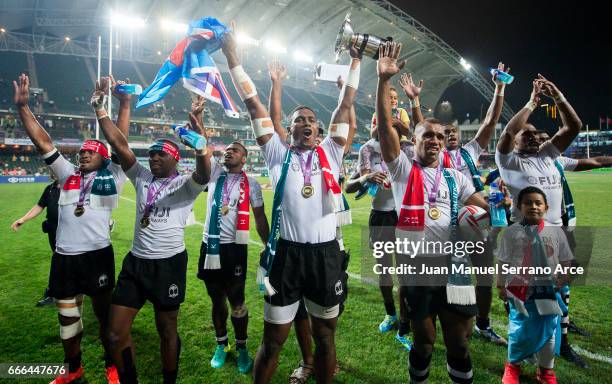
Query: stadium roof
[309, 27]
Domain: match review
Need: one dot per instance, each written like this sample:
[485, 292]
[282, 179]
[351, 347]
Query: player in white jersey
[454, 305]
[83, 262]
[223, 254]
[464, 158]
[523, 162]
[155, 269]
[306, 261]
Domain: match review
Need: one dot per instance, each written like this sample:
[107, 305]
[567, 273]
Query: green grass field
[31, 335]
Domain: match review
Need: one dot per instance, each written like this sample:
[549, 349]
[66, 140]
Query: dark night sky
[569, 43]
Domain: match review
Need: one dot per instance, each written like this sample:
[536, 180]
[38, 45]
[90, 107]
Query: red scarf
[519, 285]
[333, 189]
[243, 218]
[447, 161]
[412, 212]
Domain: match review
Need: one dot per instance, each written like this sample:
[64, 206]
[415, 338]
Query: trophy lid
[343, 39]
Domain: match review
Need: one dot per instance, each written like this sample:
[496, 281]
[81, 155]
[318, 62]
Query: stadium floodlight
[174, 26]
[243, 39]
[302, 56]
[275, 46]
[2, 30]
[465, 64]
[66, 38]
[125, 21]
[159, 53]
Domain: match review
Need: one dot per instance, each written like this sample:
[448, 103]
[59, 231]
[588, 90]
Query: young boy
[535, 305]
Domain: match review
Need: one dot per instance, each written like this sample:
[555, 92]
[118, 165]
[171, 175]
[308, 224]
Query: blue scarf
[568, 200]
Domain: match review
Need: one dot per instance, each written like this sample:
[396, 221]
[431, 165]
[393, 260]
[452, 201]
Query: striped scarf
[103, 194]
[471, 166]
[212, 260]
[568, 199]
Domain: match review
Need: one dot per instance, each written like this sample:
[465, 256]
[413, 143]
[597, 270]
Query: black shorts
[161, 281]
[313, 271]
[90, 273]
[382, 226]
[233, 258]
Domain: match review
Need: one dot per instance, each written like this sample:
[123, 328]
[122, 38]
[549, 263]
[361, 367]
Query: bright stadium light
[66, 38]
[174, 26]
[465, 64]
[243, 39]
[159, 52]
[302, 56]
[275, 46]
[124, 21]
[2, 30]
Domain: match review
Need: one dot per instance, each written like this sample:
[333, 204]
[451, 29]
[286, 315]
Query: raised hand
[277, 71]
[22, 91]
[387, 65]
[411, 90]
[501, 67]
[197, 105]
[120, 96]
[536, 92]
[99, 97]
[195, 115]
[548, 88]
[230, 46]
[354, 52]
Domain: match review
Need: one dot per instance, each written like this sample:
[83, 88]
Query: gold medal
[144, 222]
[224, 210]
[434, 213]
[307, 191]
[79, 211]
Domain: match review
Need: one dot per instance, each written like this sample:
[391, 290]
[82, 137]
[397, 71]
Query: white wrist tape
[262, 126]
[531, 105]
[410, 104]
[49, 154]
[98, 103]
[352, 80]
[339, 130]
[416, 103]
[560, 99]
[243, 83]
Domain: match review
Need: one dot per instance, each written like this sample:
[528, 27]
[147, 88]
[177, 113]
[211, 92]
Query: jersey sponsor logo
[545, 182]
[173, 291]
[338, 288]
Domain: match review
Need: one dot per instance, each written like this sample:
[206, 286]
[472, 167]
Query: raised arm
[412, 92]
[278, 72]
[261, 224]
[260, 118]
[593, 163]
[339, 128]
[352, 120]
[486, 130]
[123, 118]
[571, 122]
[506, 140]
[35, 131]
[113, 135]
[387, 67]
[203, 166]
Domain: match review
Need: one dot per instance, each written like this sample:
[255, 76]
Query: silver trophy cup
[365, 43]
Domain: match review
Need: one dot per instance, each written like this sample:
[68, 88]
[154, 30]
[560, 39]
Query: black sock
[128, 375]
[507, 307]
[108, 361]
[390, 308]
[222, 340]
[169, 376]
[564, 340]
[404, 328]
[418, 367]
[73, 362]
[482, 323]
[241, 344]
[460, 370]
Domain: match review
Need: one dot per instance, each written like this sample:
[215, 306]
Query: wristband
[500, 93]
[339, 130]
[103, 116]
[416, 103]
[560, 99]
[243, 83]
[410, 104]
[262, 126]
[352, 80]
[531, 105]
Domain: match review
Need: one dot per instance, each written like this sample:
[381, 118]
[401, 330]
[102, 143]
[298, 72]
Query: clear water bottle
[373, 189]
[189, 137]
[128, 89]
[504, 77]
[498, 214]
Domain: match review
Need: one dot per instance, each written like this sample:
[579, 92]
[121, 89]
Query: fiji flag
[191, 61]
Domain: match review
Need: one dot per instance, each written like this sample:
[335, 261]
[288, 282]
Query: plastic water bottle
[504, 77]
[373, 189]
[129, 89]
[498, 214]
[189, 137]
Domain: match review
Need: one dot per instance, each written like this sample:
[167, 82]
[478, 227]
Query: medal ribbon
[228, 189]
[84, 188]
[152, 195]
[432, 191]
[306, 166]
